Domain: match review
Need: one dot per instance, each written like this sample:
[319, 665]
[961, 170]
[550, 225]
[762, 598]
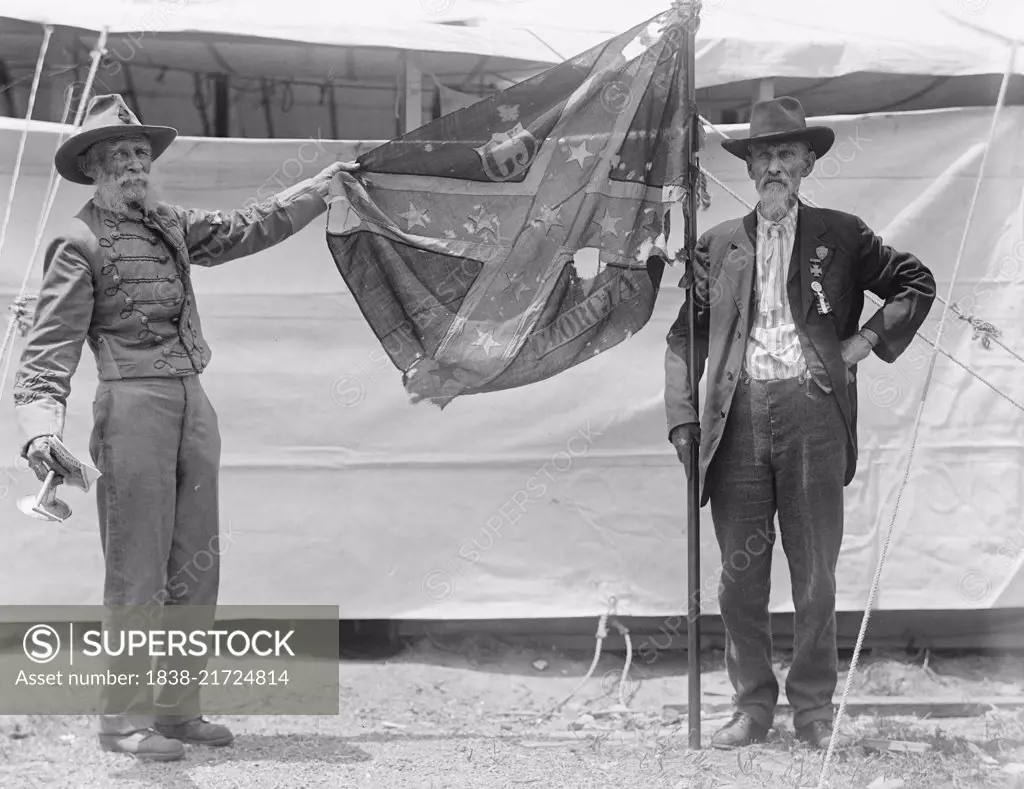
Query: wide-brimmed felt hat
[781, 120]
[107, 116]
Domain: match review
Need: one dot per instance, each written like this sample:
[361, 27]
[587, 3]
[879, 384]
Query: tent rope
[19, 308]
[876, 581]
[986, 331]
[19, 319]
[33, 92]
[599, 636]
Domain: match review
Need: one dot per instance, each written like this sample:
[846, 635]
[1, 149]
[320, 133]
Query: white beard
[124, 198]
[775, 200]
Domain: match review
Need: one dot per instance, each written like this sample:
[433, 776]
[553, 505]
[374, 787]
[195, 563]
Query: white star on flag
[516, 285]
[415, 217]
[548, 218]
[579, 154]
[486, 341]
[608, 223]
[483, 222]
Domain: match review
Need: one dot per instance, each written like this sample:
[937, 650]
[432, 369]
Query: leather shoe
[197, 731]
[144, 744]
[818, 734]
[740, 731]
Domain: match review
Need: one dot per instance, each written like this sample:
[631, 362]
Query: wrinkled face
[120, 170]
[777, 170]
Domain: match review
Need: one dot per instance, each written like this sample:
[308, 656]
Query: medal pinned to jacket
[821, 301]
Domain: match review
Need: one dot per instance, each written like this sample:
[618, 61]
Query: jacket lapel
[810, 249]
[738, 267]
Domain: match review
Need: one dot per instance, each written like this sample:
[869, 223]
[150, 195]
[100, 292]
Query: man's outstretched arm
[216, 237]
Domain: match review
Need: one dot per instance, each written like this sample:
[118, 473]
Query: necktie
[771, 302]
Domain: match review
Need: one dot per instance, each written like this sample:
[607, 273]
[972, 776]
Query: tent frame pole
[693, 572]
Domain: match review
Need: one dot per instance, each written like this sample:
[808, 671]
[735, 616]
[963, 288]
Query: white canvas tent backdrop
[873, 56]
[876, 56]
[922, 205]
[342, 497]
[345, 80]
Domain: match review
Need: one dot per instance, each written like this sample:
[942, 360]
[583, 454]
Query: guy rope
[830, 754]
[19, 308]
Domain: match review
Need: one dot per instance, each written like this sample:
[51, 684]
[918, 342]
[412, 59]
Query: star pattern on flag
[608, 222]
[548, 218]
[414, 217]
[516, 285]
[485, 340]
[483, 222]
[579, 154]
[435, 381]
[449, 378]
[509, 113]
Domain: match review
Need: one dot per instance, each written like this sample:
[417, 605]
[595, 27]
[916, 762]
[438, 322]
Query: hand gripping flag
[459, 241]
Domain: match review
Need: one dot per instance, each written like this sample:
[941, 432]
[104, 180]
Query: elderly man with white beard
[119, 278]
[778, 298]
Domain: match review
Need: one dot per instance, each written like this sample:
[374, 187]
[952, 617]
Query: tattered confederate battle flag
[458, 240]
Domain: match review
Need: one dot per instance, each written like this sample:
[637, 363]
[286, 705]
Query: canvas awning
[877, 55]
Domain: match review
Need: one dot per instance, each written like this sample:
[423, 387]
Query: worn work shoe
[818, 734]
[197, 731]
[740, 731]
[144, 744]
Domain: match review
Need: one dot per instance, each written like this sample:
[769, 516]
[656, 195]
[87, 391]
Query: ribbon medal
[816, 272]
[823, 305]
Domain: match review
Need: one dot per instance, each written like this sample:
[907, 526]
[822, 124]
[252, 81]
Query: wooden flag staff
[693, 650]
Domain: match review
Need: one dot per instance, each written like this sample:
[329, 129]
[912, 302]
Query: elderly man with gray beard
[119, 277]
[778, 298]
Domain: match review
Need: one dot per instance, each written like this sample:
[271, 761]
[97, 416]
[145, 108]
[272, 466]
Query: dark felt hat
[781, 120]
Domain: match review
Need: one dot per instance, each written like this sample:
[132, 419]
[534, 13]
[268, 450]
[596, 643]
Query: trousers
[157, 443]
[782, 452]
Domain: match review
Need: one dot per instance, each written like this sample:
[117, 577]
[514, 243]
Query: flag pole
[693, 573]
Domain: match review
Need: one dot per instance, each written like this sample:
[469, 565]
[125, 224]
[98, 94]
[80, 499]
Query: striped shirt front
[773, 348]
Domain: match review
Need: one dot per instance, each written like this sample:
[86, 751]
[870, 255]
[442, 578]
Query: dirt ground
[452, 715]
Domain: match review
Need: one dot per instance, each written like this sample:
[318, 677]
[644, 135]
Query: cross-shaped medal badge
[816, 271]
